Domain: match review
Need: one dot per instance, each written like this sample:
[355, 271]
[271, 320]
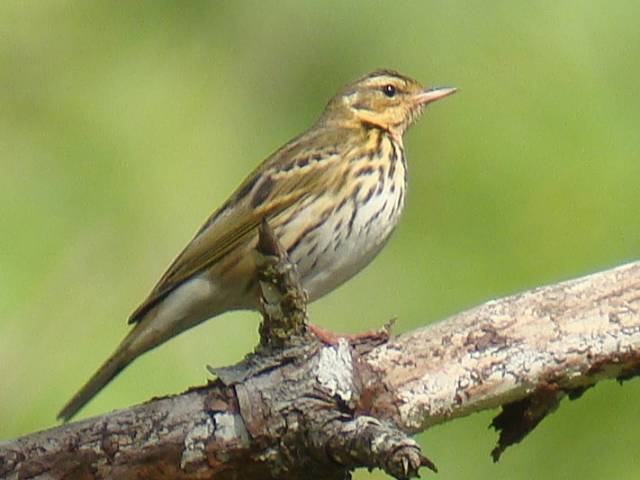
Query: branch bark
[307, 408]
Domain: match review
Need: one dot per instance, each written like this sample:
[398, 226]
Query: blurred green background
[124, 124]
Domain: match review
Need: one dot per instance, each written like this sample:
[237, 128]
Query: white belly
[350, 237]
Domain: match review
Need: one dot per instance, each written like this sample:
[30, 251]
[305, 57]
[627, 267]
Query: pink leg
[331, 338]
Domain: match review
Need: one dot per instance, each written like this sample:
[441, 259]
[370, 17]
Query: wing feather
[237, 220]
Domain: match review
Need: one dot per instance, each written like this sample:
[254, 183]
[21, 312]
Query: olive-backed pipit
[332, 195]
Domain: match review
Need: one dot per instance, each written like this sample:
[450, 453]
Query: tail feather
[187, 306]
[117, 362]
[109, 369]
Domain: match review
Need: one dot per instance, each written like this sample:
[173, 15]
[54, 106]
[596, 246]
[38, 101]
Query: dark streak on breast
[354, 198]
[326, 212]
[381, 181]
[400, 199]
[368, 170]
[375, 216]
[398, 206]
[369, 194]
[314, 264]
[379, 141]
[376, 153]
[403, 157]
[320, 255]
[392, 212]
[308, 230]
[393, 158]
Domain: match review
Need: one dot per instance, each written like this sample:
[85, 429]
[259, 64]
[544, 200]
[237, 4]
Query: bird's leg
[370, 337]
[325, 336]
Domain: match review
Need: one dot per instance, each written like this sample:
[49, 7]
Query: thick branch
[295, 412]
[561, 338]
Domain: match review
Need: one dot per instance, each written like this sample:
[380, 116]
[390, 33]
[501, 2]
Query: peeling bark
[309, 408]
[571, 334]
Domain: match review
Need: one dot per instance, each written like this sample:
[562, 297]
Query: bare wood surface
[542, 344]
[324, 410]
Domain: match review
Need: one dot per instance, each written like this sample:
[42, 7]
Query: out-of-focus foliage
[123, 125]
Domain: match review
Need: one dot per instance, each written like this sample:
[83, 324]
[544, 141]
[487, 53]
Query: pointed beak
[429, 95]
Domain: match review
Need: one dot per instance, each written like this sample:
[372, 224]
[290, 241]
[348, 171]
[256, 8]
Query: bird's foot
[369, 338]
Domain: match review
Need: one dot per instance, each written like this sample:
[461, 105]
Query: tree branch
[283, 302]
[523, 352]
[304, 407]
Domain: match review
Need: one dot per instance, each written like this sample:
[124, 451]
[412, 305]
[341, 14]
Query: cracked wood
[570, 334]
[521, 353]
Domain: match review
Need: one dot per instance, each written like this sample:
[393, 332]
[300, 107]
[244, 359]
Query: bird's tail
[184, 308]
[126, 352]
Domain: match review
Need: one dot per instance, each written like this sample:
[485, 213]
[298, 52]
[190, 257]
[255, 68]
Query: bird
[333, 195]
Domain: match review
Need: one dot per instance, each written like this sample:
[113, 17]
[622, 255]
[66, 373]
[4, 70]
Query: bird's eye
[389, 90]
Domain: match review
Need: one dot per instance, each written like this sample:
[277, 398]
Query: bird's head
[383, 99]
